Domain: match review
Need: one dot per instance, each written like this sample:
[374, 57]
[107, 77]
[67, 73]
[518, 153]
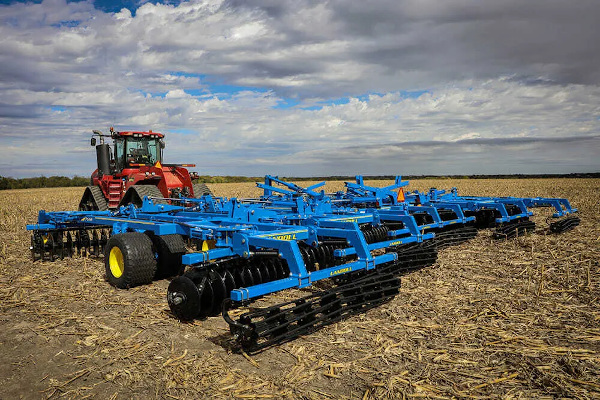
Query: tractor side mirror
[161, 143]
[93, 142]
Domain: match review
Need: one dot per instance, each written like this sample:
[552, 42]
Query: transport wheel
[200, 189]
[168, 249]
[129, 260]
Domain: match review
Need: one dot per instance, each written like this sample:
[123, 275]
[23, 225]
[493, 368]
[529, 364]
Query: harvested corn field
[490, 319]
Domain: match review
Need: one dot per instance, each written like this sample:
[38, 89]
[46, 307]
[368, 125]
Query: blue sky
[305, 87]
[103, 5]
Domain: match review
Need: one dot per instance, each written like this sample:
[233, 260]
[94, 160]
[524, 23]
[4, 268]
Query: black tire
[200, 189]
[93, 200]
[169, 249]
[129, 260]
[136, 193]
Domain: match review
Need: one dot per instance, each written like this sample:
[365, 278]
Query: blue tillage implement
[236, 250]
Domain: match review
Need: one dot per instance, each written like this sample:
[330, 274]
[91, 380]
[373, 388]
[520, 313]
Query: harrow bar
[564, 224]
[514, 229]
[454, 236]
[356, 293]
[286, 321]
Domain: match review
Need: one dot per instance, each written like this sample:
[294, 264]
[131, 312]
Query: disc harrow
[199, 293]
[238, 250]
[509, 215]
[375, 234]
[54, 244]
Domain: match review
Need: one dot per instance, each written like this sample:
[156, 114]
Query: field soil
[491, 319]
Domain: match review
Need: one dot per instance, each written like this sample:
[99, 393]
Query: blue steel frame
[287, 215]
[359, 193]
[360, 196]
[240, 228]
[561, 206]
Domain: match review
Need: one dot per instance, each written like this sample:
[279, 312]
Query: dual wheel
[134, 258]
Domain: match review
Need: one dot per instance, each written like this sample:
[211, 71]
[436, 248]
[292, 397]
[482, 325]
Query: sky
[305, 88]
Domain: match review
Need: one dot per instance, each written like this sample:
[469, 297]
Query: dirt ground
[514, 319]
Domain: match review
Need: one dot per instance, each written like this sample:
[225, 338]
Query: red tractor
[132, 169]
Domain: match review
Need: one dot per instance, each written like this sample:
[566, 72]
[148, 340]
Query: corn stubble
[512, 319]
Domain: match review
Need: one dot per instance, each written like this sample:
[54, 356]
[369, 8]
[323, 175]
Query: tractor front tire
[129, 260]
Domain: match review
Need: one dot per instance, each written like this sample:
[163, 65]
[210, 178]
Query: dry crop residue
[490, 319]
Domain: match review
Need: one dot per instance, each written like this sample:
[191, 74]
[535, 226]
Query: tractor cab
[130, 150]
[134, 149]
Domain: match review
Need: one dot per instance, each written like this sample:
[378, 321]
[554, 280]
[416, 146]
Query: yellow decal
[397, 242]
[291, 236]
[350, 219]
[282, 236]
[340, 271]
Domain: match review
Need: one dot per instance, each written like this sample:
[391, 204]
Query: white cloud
[491, 73]
[177, 94]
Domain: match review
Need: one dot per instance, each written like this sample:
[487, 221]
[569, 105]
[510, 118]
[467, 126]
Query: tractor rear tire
[136, 193]
[93, 200]
[200, 189]
[129, 260]
[169, 249]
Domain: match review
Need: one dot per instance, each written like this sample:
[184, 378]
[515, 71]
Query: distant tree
[41, 182]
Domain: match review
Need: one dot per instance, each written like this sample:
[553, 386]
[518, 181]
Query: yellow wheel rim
[116, 262]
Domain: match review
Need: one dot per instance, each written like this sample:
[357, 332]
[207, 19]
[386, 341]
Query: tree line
[63, 181]
[42, 182]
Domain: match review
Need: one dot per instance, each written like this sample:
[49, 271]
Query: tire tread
[140, 263]
[169, 248]
[200, 189]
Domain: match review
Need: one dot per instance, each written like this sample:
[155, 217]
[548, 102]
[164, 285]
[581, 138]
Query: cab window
[142, 151]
